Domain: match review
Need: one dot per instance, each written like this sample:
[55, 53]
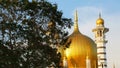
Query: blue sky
[67, 5]
[88, 11]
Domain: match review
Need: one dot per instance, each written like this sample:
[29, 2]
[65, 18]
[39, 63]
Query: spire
[76, 16]
[113, 65]
[76, 22]
[99, 15]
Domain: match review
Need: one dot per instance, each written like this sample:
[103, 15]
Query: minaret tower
[100, 40]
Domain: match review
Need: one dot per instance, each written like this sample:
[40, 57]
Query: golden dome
[100, 20]
[80, 47]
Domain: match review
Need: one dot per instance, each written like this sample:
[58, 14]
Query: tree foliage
[30, 33]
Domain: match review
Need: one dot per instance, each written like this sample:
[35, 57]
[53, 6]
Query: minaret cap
[100, 21]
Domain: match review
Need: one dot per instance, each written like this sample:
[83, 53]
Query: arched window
[100, 33]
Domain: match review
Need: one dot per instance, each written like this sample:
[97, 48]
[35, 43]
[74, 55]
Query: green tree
[30, 33]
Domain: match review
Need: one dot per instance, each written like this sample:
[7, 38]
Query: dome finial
[76, 21]
[99, 14]
[100, 21]
[76, 16]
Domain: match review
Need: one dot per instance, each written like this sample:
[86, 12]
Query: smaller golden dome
[100, 21]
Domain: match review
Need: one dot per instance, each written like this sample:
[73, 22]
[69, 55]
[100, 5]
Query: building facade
[83, 52]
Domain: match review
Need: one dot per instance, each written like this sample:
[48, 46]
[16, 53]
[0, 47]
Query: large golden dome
[80, 47]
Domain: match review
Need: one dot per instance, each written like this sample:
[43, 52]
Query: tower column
[100, 40]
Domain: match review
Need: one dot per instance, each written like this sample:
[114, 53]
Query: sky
[88, 11]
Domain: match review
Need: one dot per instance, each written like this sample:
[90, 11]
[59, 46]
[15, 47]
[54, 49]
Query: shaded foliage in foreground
[30, 33]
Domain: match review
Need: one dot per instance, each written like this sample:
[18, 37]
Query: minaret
[113, 65]
[65, 63]
[100, 40]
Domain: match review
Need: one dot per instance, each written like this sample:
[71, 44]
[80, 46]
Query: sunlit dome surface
[80, 47]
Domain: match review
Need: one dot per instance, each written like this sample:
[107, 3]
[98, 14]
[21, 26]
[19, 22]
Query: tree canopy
[30, 31]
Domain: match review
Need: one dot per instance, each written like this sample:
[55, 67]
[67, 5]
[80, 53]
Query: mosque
[83, 52]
